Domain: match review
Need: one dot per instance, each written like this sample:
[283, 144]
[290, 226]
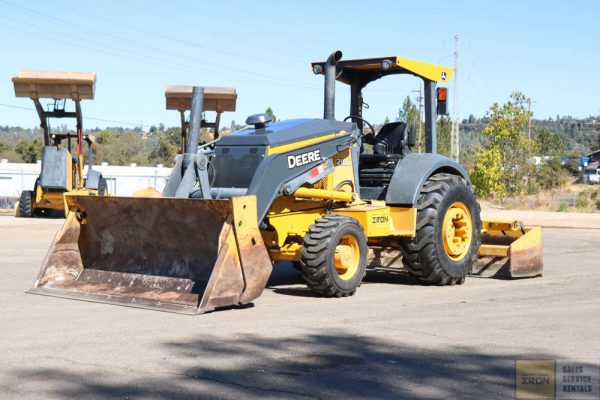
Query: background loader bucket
[509, 250]
[181, 255]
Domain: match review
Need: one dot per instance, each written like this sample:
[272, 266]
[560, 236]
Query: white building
[121, 180]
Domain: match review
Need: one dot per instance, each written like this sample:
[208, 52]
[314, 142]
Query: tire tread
[420, 253]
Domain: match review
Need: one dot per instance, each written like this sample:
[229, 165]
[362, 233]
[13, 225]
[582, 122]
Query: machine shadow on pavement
[284, 275]
[331, 364]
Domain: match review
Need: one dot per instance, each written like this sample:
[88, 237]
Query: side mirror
[442, 105]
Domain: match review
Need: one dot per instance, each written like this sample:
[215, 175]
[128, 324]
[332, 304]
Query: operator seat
[391, 139]
[376, 169]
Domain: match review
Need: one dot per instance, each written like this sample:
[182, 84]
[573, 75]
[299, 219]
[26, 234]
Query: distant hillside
[578, 136]
[118, 146]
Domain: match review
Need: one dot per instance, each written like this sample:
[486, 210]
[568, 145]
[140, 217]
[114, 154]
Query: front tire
[334, 256]
[448, 235]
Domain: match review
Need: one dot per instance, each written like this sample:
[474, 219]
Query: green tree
[551, 174]
[572, 164]
[8, 152]
[487, 171]
[444, 135]
[387, 120]
[122, 149]
[506, 137]
[548, 143]
[409, 112]
[169, 144]
[105, 136]
[28, 151]
[270, 113]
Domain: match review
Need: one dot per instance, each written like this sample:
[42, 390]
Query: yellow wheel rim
[457, 231]
[346, 257]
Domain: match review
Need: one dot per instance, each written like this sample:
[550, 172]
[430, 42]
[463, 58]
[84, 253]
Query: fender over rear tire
[334, 256]
[448, 232]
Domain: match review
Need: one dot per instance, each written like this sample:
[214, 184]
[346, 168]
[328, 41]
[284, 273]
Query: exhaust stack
[330, 75]
[193, 137]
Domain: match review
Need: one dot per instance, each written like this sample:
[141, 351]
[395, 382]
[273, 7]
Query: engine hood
[284, 132]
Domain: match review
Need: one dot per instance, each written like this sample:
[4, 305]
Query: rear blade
[509, 250]
[181, 255]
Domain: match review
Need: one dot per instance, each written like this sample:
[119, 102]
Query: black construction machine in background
[211, 99]
[214, 98]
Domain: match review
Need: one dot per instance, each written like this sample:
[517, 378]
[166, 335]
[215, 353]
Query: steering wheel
[368, 136]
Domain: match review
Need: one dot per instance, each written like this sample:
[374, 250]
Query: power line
[147, 60]
[482, 94]
[179, 21]
[287, 22]
[489, 79]
[153, 60]
[87, 118]
[71, 24]
[485, 79]
[239, 72]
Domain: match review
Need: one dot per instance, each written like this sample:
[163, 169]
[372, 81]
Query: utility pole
[454, 137]
[420, 129]
[529, 119]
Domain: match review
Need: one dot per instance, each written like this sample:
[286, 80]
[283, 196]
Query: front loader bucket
[180, 255]
[509, 250]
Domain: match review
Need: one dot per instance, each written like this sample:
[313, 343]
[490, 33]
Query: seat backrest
[391, 138]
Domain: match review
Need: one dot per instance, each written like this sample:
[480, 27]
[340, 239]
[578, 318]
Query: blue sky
[547, 49]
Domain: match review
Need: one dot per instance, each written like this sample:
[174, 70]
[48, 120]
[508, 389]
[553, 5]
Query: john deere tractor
[301, 190]
[62, 153]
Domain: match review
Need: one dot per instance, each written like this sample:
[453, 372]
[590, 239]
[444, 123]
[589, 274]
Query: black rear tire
[425, 255]
[26, 204]
[319, 251]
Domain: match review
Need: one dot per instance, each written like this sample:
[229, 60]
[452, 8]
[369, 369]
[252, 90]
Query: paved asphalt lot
[393, 339]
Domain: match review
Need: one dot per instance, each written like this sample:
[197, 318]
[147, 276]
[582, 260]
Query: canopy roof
[370, 69]
[217, 99]
[55, 85]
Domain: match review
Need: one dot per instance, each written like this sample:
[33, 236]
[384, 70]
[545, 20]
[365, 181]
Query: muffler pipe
[330, 75]
[193, 137]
